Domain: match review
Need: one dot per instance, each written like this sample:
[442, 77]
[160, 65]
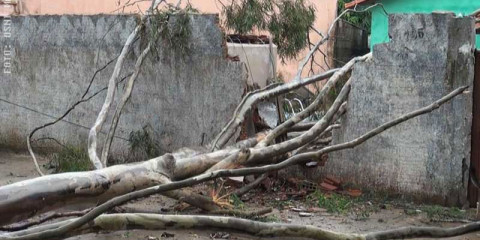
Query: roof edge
[354, 3]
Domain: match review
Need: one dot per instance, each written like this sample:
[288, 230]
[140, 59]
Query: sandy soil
[16, 167]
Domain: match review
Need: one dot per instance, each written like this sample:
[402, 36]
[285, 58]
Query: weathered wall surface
[427, 157]
[348, 42]
[185, 99]
[327, 9]
[260, 60]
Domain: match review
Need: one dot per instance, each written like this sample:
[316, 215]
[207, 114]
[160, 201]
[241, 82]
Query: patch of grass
[411, 212]
[439, 212]
[71, 159]
[142, 145]
[333, 203]
[281, 204]
[126, 234]
[237, 202]
[363, 212]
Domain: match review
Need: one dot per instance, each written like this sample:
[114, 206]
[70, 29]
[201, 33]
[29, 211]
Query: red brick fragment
[334, 180]
[328, 187]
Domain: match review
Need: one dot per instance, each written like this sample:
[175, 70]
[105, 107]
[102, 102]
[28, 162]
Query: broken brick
[328, 187]
[334, 180]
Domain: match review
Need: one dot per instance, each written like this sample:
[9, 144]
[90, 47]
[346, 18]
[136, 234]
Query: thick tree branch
[97, 126]
[121, 105]
[282, 128]
[241, 191]
[126, 221]
[254, 97]
[259, 154]
[42, 219]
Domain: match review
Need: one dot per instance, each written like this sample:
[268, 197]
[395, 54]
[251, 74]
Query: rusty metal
[473, 192]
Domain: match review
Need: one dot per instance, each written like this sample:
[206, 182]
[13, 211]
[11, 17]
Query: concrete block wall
[185, 99]
[428, 157]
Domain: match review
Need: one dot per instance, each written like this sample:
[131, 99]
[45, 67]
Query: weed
[411, 212]
[237, 202]
[178, 34]
[333, 203]
[71, 159]
[142, 145]
[126, 234]
[438, 212]
[362, 214]
[281, 204]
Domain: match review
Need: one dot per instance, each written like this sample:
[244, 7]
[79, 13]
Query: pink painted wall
[326, 12]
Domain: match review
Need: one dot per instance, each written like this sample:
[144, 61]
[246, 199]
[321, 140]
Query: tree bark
[282, 128]
[121, 105]
[102, 115]
[127, 221]
[254, 97]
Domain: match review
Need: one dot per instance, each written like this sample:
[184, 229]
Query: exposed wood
[127, 221]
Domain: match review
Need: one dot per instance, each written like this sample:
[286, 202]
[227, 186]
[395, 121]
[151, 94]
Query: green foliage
[237, 202]
[362, 19]
[438, 212]
[143, 145]
[71, 159]
[333, 203]
[288, 21]
[177, 33]
[281, 204]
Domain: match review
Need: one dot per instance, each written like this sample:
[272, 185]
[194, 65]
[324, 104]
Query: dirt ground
[366, 216]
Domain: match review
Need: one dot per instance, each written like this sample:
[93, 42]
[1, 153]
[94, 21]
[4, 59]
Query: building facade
[379, 33]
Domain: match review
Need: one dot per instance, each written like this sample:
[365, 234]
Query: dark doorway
[473, 192]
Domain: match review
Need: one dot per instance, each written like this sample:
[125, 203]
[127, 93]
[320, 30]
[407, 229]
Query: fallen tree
[299, 158]
[108, 187]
